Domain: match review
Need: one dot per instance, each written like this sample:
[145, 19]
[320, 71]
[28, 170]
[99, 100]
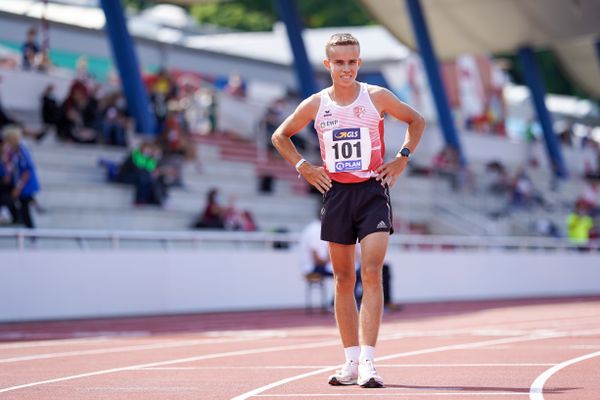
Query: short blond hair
[341, 39]
[12, 134]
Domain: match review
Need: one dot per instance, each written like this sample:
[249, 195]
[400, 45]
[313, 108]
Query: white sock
[367, 353]
[352, 353]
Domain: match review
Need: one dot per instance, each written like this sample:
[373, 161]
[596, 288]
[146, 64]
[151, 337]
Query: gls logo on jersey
[345, 134]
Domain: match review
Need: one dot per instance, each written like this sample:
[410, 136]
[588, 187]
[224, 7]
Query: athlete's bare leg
[373, 249]
[346, 315]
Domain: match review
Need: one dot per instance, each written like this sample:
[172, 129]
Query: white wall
[435, 276]
[71, 284]
[22, 90]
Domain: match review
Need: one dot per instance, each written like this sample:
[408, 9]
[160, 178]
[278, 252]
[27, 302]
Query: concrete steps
[75, 193]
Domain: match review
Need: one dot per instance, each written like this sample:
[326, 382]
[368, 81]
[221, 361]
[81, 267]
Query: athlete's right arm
[304, 113]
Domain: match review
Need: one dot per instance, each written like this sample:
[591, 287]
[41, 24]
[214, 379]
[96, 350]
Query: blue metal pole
[433, 73]
[532, 76]
[290, 16]
[127, 63]
[597, 45]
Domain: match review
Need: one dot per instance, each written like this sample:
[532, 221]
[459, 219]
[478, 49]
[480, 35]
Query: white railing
[31, 239]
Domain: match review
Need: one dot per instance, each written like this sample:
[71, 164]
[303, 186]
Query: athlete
[355, 182]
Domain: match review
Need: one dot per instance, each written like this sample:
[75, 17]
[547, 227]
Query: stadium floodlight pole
[433, 74]
[533, 78]
[288, 12]
[127, 63]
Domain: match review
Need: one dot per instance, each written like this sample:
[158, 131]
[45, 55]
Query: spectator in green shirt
[579, 224]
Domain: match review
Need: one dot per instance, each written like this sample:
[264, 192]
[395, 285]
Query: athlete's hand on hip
[316, 176]
[389, 172]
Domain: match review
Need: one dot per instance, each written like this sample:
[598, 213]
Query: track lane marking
[462, 346]
[110, 350]
[252, 367]
[402, 394]
[333, 342]
[50, 343]
[175, 361]
[216, 355]
[246, 335]
[536, 391]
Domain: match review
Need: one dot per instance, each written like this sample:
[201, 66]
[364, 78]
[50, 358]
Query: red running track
[531, 349]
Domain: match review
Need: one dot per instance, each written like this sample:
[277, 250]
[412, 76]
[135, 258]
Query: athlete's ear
[327, 64]
[359, 62]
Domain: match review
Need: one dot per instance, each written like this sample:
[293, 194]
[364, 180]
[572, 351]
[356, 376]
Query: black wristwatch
[405, 152]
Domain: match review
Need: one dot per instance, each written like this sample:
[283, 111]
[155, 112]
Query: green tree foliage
[319, 14]
[259, 15]
[238, 15]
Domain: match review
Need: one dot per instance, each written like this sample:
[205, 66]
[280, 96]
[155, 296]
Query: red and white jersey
[350, 137]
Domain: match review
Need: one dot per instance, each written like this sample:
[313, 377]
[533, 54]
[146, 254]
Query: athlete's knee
[345, 281]
[371, 275]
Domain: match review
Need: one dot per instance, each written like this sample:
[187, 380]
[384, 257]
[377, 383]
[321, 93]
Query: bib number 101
[347, 150]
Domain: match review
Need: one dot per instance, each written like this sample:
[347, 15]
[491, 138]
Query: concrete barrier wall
[72, 284]
[22, 90]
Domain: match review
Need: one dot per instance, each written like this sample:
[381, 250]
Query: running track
[532, 349]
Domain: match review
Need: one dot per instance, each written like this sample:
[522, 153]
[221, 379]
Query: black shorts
[351, 211]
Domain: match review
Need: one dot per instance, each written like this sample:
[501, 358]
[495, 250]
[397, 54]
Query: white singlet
[350, 137]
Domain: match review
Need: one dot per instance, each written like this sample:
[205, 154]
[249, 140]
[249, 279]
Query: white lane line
[250, 367]
[140, 347]
[210, 356]
[402, 394]
[462, 346]
[176, 361]
[254, 367]
[265, 350]
[588, 332]
[493, 365]
[49, 343]
[42, 336]
[536, 391]
[245, 336]
[556, 323]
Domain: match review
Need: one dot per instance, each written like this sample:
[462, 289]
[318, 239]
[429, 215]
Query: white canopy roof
[493, 26]
[377, 44]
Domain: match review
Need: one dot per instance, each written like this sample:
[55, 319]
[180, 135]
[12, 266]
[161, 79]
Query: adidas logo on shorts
[382, 225]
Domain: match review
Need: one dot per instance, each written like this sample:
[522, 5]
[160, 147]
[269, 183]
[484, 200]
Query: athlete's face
[343, 63]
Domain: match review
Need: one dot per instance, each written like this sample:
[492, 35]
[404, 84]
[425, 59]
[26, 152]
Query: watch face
[405, 152]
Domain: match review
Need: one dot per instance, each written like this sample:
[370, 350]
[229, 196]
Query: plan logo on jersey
[346, 134]
[349, 165]
[359, 111]
[327, 114]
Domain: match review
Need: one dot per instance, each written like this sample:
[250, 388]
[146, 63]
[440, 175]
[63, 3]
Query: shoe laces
[347, 368]
[369, 364]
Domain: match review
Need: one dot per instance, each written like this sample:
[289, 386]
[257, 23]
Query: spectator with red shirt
[71, 123]
[175, 144]
[213, 216]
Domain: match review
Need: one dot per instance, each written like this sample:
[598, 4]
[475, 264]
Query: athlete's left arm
[387, 103]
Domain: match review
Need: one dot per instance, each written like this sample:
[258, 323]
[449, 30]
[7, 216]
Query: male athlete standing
[355, 182]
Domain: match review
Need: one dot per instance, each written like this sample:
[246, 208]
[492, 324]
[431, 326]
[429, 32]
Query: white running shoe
[346, 375]
[367, 375]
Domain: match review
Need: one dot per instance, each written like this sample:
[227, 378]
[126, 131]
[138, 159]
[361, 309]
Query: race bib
[347, 149]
